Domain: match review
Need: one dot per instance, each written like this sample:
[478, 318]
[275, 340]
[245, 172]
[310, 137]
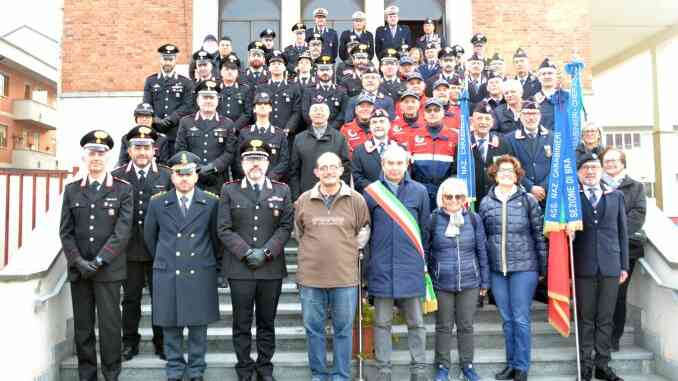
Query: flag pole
[574, 304]
[360, 316]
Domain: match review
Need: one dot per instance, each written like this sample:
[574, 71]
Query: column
[290, 14]
[374, 9]
[459, 22]
[205, 21]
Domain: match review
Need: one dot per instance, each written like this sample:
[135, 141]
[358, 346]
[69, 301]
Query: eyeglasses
[610, 161]
[506, 170]
[593, 167]
[326, 168]
[432, 110]
[450, 197]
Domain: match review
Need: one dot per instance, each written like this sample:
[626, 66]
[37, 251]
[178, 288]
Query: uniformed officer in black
[430, 36]
[315, 45]
[352, 81]
[359, 34]
[347, 66]
[531, 85]
[235, 99]
[273, 136]
[96, 218]
[305, 71]
[143, 115]
[330, 39]
[479, 40]
[255, 222]
[285, 95]
[475, 79]
[391, 85]
[327, 92]
[256, 71]
[391, 35]
[147, 178]
[203, 66]
[267, 36]
[210, 136]
[180, 232]
[293, 51]
[447, 57]
[170, 94]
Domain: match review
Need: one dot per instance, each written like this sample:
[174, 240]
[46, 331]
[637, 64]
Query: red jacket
[354, 135]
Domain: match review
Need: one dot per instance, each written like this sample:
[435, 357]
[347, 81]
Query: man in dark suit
[255, 223]
[358, 34]
[180, 232]
[601, 263]
[147, 178]
[532, 145]
[528, 80]
[143, 115]
[366, 159]
[96, 219]
[430, 36]
[330, 39]
[486, 147]
[391, 35]
[476, 78]
[169, 94]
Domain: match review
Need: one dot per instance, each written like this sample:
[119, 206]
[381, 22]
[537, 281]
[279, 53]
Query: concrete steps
[553, 356]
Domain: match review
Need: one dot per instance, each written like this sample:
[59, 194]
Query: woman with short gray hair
[457, 260]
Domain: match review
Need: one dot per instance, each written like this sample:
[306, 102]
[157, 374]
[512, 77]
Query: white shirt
[146, 169]
[188, 195]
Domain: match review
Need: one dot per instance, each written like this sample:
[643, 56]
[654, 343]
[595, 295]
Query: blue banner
[465, 161]
[563, 206]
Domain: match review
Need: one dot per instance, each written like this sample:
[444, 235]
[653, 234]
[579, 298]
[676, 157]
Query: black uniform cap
[141, 135]
[98, 140]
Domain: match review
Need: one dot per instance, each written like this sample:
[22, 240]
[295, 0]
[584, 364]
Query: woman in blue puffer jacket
[516, 250]
[457, 260]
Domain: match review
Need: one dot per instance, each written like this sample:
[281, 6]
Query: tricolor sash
[399, 213]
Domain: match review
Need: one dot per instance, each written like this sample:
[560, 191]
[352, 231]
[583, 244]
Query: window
[636, 139]
[36, 141]
[609, 140]
[625, 141]
[243, 20]
[41, 95]
[618, 140]
[3, 137]
[4, 85]
[27, 92]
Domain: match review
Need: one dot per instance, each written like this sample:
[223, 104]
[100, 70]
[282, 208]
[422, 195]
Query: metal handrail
[43, 299]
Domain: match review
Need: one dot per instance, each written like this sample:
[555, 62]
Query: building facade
[28, 98]
[109, 51]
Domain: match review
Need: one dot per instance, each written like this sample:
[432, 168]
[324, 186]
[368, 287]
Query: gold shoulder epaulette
[212, 195]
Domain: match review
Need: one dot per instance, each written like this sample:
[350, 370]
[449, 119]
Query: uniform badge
[276, 212]
[419, 139]
[352, 134]
[111, 212]
[273, 151]
[547, 150]
[287, 99]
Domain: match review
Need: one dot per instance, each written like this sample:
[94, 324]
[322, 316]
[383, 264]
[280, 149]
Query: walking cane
[360, 315]
[574, 304]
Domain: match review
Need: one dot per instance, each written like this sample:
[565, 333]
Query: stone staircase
[553, 357]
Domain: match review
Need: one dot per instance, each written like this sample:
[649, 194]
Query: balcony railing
[35, 112]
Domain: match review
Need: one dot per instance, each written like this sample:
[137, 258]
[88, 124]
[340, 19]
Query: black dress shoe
[519, 375]
[160, 351]
[506, 374]
[129, 351]
[607, 374]
[586, 374]
[197, 379]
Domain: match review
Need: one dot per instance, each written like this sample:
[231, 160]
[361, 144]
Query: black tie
[482, 148]
[94, 186]
[257, 191]
[142, 177]
[592, 197]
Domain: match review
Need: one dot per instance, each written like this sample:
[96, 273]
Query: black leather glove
[255, 258]
[86, 268]
[206, 170]
[162, 125]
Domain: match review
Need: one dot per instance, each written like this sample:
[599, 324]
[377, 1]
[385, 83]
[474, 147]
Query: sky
[48, 18]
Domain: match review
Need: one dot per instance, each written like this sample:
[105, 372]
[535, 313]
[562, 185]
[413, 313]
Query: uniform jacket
[305, 152]
[365, 37]
[432, 79]
[286, 101]
[213, 141]
[392, 88]
[275, 138]
[536, 158]
[457, 263]
[531, 86]
[366, 163]
[383, 39]
[476, 95]
[496, 146]
[547, 108]
[524, 248]
[97, 224]
[171, 97]
[184, 259]
[355, 134]
[252, 79]
[330, 41]
[603, 246]
[433, 37]
[505, 121]
[334, 97]
[235, 103]
[395, 268]
[433, 158]
[292, 53]
[158, 179]
[247, 221]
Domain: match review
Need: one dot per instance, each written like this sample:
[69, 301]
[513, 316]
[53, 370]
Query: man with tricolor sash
[396, 271]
